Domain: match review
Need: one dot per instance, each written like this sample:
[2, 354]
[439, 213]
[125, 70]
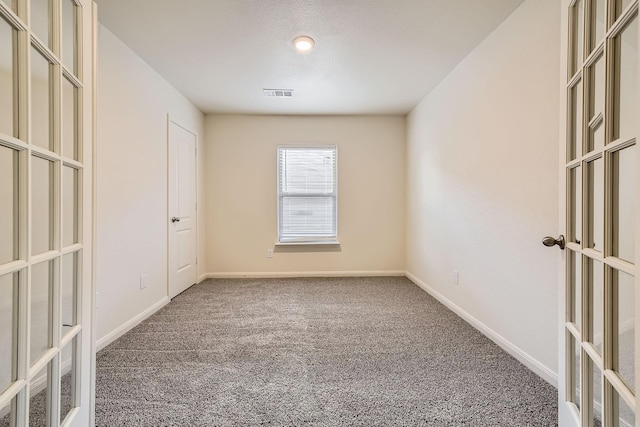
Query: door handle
[175, 219]
[550, 241]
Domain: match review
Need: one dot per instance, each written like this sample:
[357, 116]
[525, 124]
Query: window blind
[307, 194]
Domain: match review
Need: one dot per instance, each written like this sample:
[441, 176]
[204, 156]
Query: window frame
[306, 240]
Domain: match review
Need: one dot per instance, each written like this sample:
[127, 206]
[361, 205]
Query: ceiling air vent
[278, 93]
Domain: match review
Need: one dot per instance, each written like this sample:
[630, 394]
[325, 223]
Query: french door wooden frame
[600, 167]
[46, 262]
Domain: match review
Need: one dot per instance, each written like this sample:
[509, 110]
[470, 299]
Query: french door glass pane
[40, 100]
[626, 417]
[68, 291]
[68, 35]
[621, 6]
[8, 204]
[577, 268]
[596, 396]
[624, 209]
[6, 330]
[41, 205]
[6, 78]
[597, 303]
[11, 5]
[575, 181]
[578, 34]
[575, 142]
[598, 22]
[69, 206]
[574, 369]
[576, 289]
[41, 275]
[38, 399]
[626, 53]
[7, 414]
[596, 136]
[626, 329]
[67, 386]
[40, 19]
[596, 100]
[68, 119]
[595, 172]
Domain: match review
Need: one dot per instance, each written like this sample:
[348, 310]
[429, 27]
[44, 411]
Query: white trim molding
[126, 327]
[530, 362]
[285, 274]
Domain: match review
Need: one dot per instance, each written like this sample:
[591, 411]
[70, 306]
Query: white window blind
[307, 194]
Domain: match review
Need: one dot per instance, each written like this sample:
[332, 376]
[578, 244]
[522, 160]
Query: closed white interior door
[182, 209]
[599, 386]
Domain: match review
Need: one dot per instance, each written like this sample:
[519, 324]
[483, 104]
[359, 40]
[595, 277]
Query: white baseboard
[527, 360]
[126, 327]
[286, 274]
[202, 277]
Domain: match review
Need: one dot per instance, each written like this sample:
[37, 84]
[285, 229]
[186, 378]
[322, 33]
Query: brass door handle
[550, 241]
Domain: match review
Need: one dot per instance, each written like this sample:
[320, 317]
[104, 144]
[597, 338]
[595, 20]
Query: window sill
[309, 246]
[319, 243]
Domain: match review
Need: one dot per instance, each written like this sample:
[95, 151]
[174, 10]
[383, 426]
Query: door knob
[175, 219]
[550, 241]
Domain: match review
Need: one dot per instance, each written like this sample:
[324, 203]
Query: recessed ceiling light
[303, 43]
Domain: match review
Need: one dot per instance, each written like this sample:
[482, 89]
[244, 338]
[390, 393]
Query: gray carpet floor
[313, 352]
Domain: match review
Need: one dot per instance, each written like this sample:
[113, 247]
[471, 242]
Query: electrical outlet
[269, 253]
[455, 277]
[144, 278]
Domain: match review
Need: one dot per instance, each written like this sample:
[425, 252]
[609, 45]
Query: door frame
[565, 415]
[171, 120]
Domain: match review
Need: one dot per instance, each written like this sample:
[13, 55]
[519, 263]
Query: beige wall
[241, 193]
[482, 185]
[133, 104]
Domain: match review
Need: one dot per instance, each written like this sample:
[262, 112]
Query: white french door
[600, 326]
[45, 212]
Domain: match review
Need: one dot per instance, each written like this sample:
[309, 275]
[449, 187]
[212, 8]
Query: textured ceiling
[371, 56]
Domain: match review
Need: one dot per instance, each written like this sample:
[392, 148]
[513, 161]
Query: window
[307, 194]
